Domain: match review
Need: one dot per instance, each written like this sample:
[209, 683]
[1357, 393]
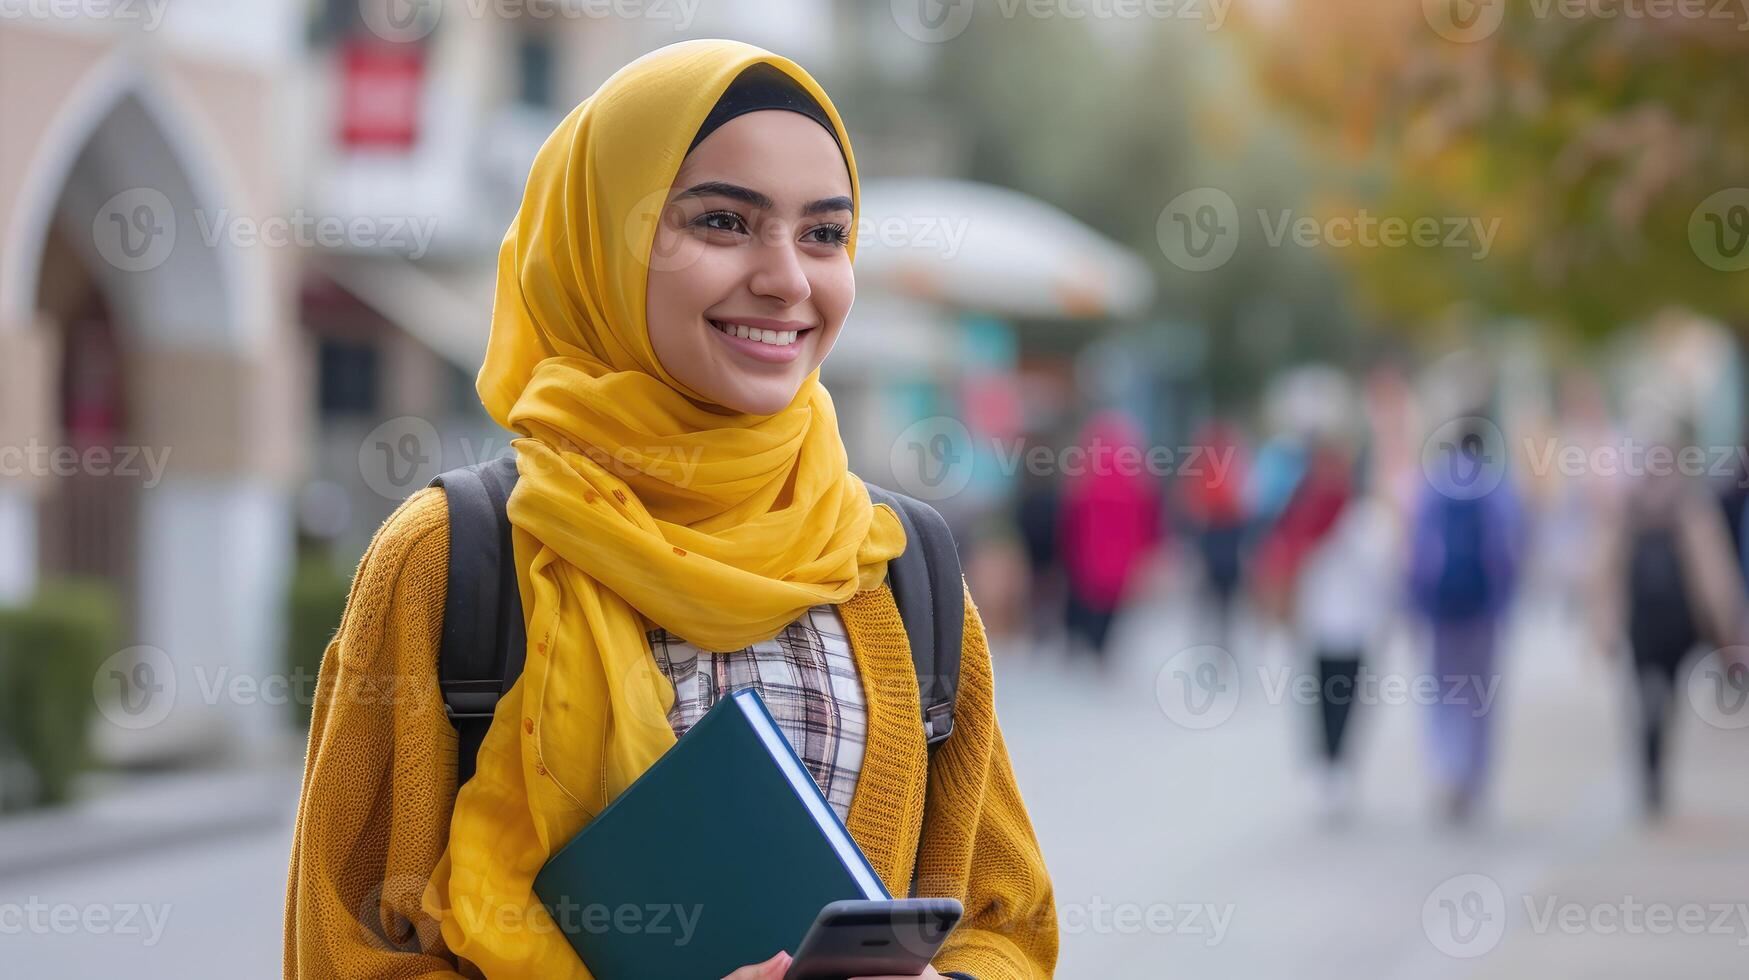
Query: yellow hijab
[638, 500]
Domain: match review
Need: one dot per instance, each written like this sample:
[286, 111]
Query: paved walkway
[1175, 852]
[1208, 839]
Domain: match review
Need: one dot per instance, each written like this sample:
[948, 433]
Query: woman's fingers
[772, 969]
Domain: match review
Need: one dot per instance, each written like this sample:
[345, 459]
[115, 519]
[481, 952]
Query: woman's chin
[760, 396]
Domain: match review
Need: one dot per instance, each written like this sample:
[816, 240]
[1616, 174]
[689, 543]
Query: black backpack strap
[929, 590]
[483, 636]
[928, 587]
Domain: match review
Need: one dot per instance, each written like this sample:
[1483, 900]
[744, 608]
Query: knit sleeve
[379, 774]
[978, 842]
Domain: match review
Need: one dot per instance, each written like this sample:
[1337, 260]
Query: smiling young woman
[679, 268]
[757, 281]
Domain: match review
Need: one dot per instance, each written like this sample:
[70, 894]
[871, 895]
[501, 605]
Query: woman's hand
[927, 974]
[772, 969]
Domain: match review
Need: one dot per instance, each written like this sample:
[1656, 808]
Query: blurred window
[348, 378]
[534, 67]
[463, 399]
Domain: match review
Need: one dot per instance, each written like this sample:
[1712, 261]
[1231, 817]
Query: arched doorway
[87, 526]
[162, 390]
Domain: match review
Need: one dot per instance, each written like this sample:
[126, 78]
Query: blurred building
[247, 274]
[150, 368]
[249, 260]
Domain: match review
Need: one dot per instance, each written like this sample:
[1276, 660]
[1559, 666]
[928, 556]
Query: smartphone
[862, 938]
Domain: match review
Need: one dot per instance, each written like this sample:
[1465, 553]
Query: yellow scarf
[638, 500]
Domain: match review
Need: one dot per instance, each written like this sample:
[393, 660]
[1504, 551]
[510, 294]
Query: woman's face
[752, 239]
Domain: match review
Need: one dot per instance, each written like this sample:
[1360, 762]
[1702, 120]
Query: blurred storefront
[934, 365]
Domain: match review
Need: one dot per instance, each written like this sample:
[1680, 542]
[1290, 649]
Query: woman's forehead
[785, 156]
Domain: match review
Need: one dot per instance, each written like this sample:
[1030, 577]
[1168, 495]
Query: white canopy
[989, 248]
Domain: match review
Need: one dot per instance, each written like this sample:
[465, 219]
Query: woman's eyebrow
[840, 203]
[747, 195]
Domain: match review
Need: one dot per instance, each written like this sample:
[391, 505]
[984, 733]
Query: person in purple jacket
[1463, 569]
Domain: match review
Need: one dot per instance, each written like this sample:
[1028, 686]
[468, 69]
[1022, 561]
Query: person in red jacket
[1110, 526]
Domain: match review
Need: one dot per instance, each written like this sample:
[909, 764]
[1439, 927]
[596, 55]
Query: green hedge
[50, 651]
[314, 607]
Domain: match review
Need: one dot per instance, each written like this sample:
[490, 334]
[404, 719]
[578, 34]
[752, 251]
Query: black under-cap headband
[762, 86]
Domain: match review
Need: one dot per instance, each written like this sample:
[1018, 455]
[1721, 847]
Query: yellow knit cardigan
[379, 783]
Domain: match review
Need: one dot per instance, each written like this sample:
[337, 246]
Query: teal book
[719, 855]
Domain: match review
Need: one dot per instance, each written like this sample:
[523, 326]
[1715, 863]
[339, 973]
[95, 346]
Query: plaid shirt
[808, 680]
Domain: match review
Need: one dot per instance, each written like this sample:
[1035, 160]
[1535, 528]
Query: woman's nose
[779, 273]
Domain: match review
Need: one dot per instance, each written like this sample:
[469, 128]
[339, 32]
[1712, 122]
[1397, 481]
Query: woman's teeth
[776, 338]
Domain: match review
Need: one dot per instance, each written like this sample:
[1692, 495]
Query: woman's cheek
[834, 291]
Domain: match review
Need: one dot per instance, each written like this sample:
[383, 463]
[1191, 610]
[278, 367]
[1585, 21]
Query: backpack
[484, 643]
[1462, 588]
[1661, 623]
[1467, 570]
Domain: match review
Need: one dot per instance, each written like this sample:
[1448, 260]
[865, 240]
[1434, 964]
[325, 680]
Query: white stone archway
[124, 164]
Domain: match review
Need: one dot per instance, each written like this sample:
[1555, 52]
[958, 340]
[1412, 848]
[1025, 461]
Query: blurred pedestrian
[1680, 585]
[1310, 511]
[1038, 507]
[1464, 557]
[1347, 592]
[1213, 502]
[1110, 527]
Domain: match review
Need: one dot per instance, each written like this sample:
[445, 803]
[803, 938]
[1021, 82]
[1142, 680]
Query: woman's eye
[720, 221]
[831, 235]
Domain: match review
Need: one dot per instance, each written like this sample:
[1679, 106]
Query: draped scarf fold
[639, 502]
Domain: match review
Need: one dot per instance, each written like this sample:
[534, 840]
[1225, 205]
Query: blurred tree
[1608, 138]
[1110, 121]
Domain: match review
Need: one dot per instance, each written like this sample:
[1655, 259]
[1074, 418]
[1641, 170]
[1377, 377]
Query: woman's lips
[761, 351]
